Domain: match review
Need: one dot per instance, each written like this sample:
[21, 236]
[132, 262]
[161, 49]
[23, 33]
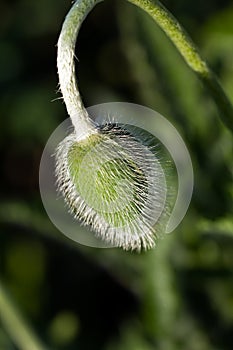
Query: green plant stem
[172, 28]
[66, 66]
[20, 332]
[191, 55]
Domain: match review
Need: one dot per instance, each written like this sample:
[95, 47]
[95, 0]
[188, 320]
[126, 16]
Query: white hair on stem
[83, 124]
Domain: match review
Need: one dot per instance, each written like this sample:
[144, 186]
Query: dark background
[177, 296]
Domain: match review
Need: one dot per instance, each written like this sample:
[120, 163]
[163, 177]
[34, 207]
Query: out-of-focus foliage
[176, 297]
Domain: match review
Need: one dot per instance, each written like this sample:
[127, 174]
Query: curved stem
[66, 67]
[190, 53]
[21, 333]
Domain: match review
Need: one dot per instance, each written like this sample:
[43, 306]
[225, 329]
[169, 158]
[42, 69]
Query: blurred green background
[178, 296]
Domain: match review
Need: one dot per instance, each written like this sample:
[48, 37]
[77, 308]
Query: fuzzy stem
[172, 28]
[21, 333]
[191, 55]
[66, 67]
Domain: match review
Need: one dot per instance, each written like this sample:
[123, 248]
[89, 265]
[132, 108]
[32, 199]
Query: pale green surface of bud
[113, 182]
